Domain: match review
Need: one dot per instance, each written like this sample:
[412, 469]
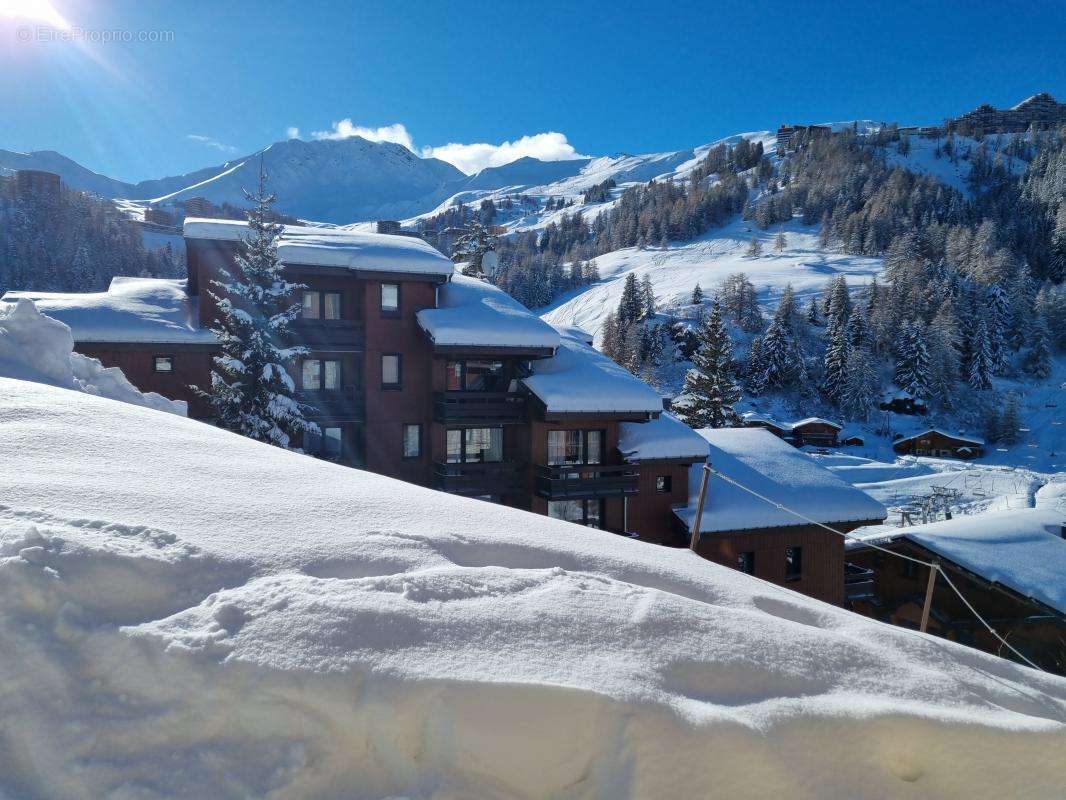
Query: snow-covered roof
[765, 464]
[579, 379]
[1022, 549]
[472, 312]
[335, 247]
[151, 564]
[131, 310]
[665, 437]
[815, 421]
[927, 431]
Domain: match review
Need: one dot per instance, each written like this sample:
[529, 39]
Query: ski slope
[708, 261]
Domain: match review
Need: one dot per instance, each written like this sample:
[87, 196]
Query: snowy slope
[191, 614]
[708, 261]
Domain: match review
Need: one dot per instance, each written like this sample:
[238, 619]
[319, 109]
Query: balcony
[477, 408]
[337, 335]
[579, 481]
[858, 582]
[342, 405]
[503, 477]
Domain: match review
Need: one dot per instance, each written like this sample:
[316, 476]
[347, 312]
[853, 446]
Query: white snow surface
[131, 310]
[472, 312]
[580, 379]
[1019, 548]
[762, 462]
[323, 246]
[35, 347]
[665, 437]
[188, 613]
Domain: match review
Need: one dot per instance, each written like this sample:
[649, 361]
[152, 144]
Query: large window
[474, 445]
[575, 447]
[793, 563]
[390, 298]
[390, 371]
[583, 512]
[318, 374]
[328, 443]
[664, 483]
[476, 376]
[321, 305]
[412, 440]
[163, 364]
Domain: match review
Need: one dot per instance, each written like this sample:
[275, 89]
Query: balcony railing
[858, 582]
[576, 481]
[341, 405]
[497, 478]
[480, 407]
[345, 335]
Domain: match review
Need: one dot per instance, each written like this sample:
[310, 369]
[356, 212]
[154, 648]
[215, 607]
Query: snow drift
[38, 348]
[191, 614]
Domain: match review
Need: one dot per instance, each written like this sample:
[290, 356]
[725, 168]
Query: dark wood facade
[897, 596]
[372, 416]
[939, 444]
[770, 554]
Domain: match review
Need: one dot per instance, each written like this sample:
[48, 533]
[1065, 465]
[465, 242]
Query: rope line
[930, 564]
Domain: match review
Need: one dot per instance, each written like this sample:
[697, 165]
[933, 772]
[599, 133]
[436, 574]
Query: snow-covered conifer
[710, 390]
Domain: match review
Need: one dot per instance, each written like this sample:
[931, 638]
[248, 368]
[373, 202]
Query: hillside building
[414, 371]
[37, 183]
[1008, 564]
[941, 444]
[1041, 110]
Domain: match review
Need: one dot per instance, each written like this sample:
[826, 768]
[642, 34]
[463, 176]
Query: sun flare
[38, 10]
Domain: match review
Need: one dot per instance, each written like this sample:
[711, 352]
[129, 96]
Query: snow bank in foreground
[191, 614]
[38, 348]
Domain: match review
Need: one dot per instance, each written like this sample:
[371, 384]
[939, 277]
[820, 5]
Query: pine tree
[610, 337]
[754, 248]
[861, 387]
[998, 320]
[782, 366]
[631, 306]
[697, 296]
[1038, 360]
[592, 272]
[710, 390]
[1010, 423]
[912, 373]
[647, 296]
[812, 312]
[981, 364]
[780, 242]
[251, 390]
[835, 372]
[472, 245]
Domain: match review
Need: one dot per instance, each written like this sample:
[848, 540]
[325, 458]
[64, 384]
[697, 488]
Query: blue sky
[605, 77]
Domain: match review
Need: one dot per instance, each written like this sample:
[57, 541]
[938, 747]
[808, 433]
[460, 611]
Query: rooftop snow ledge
[335, 247]
[665, 437]
[581, 380]
[471, 312]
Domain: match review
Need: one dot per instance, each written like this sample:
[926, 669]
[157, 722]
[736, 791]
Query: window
[327, 443]
[317, 374]
[582, 512]
[390, 371]
[663, 483]
[746, 562]
[474, 445]
[575, 447]
[793, 563]
[476, 376]
[412, 440]
[331, 305]
[163, 364]
[390, 298]
[311, 305]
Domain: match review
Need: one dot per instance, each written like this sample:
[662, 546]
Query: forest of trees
[72, 243]
[972, 291]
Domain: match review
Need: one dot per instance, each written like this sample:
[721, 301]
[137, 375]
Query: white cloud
[470, 158]
[292, 132]
[548, 146]
[386, 133]
[207, 141]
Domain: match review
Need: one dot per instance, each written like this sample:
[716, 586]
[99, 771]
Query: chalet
[813, 431]
[414, 371]
[776, 535]
[1008, 564]
[938, 443]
